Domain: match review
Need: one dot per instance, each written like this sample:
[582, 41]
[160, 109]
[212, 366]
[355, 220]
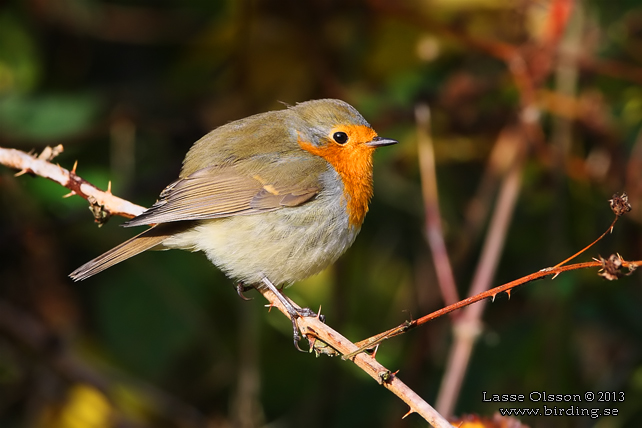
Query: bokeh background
[535, 112]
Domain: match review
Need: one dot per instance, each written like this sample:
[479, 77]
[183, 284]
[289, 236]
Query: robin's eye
[340, 137]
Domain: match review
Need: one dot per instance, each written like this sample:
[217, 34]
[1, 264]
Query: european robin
[270, 199]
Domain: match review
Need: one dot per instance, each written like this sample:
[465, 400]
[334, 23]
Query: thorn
[21, 172]
[508, 292]
[319, 313]
[611, 229]
[493, 298]
[374, 353]
[72, 193]
[270, 306]
[109, 188]
[395, 373]
[73, 170]
[555, 276]
[411, 411]
[311, 341]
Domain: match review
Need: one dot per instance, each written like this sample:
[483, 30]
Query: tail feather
[136, 245]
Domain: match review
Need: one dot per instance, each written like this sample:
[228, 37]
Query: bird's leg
[291, 310]
[242, 288]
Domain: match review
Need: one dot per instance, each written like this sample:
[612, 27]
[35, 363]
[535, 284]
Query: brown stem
[434, 230]
[371, 342]
[589, 245]
[467, 327]
[41, 166]
[310, 327]
[313, 327]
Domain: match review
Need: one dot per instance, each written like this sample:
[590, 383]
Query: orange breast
[353, 162]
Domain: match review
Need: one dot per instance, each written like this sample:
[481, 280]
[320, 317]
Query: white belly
[285, 245]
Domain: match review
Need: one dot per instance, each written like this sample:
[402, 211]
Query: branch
[312, 328]
[609, 268]
[434, 230]
[41, 165]
[468, 327]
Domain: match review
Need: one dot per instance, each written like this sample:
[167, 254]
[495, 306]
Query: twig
[610, 229]
[503, 155]
[488, 294]
[609, 268]
[434, 230]
[467, 327]
[311, 327]
[529, 65]
[28, 164]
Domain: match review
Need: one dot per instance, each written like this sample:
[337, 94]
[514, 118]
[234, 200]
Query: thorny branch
[610, 269]
[322, 338]
[41, 165]
[620, 206]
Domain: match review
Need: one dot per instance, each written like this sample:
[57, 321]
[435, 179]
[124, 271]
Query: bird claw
[293, 312]
[296, 335]
[303, 312]
[242, 288]
[307, 312]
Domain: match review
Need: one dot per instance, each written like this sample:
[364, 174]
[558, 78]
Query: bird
[270, 199]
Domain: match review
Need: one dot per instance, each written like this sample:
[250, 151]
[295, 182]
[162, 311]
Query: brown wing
[215, 193]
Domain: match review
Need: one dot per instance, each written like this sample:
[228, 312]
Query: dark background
[163, 340]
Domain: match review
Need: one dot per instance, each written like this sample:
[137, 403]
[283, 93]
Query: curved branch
[311, 327]
[609, 269]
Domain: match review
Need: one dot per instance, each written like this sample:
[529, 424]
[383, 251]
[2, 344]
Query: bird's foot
[292, 311]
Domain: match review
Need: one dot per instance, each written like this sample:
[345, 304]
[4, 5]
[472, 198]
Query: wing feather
[221, 192]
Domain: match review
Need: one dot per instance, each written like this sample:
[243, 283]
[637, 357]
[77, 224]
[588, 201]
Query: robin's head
[329, 122]
[335, 131]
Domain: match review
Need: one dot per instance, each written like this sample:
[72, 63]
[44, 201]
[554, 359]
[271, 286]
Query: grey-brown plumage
[257, 198]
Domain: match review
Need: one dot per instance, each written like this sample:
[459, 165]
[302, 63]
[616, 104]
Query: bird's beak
[380, 142]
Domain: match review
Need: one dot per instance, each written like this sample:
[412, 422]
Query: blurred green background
[164, 341]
